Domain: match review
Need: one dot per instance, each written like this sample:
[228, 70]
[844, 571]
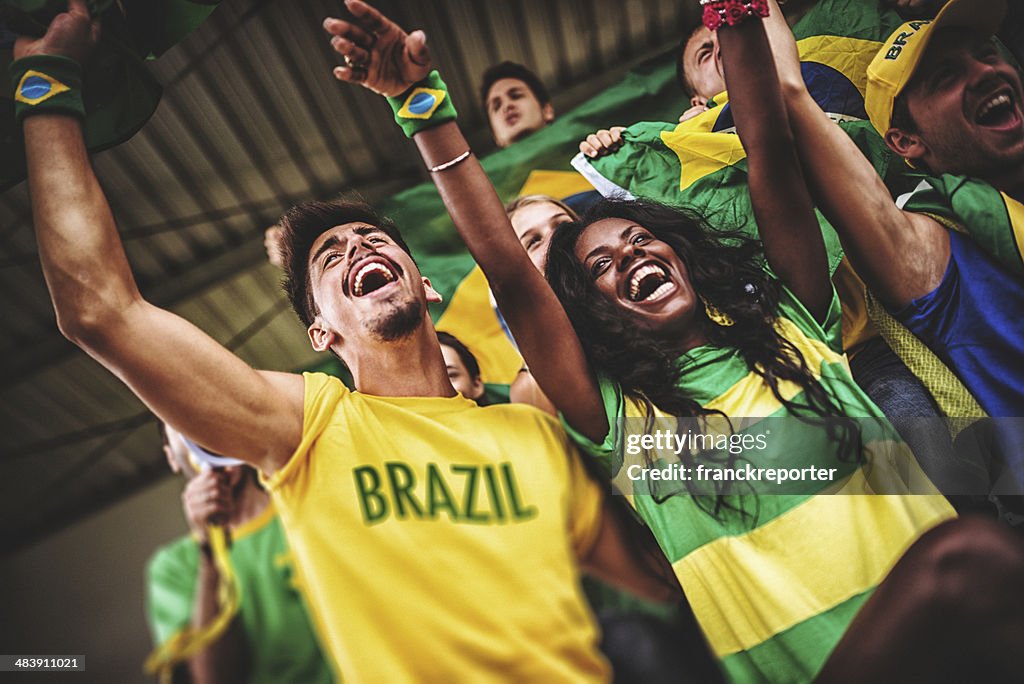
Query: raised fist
[71, 34]
[602, 142]
[207, 499]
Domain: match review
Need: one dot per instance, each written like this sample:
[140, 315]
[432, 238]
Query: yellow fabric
[758, 594]
[815, 352]
[1016, 211]
[857, 325]
[955, 402]
[437, 98]
[748, 397]
[470, 317]
[894, 64]
[189, 641]
[848, 56]
[747, 588]
[560, 184]
[702, 152]
[437, 538]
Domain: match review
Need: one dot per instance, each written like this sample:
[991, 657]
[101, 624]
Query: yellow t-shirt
[437, 539]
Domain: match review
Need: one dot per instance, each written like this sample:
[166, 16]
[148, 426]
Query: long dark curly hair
[727, 270]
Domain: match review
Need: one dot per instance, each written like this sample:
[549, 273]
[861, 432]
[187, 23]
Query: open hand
[71, 34]
[378, 53]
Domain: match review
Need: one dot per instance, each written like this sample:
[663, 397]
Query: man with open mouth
[945, 259]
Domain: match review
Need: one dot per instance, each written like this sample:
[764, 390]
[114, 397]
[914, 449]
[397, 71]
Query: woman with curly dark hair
[740, 300]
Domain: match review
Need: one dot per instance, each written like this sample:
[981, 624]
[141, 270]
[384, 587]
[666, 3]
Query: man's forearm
[626, 554]
[81, 253]
[224, 660]
[537, 320]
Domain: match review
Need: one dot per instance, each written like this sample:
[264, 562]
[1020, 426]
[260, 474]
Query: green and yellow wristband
[425, 105]
[47, 84]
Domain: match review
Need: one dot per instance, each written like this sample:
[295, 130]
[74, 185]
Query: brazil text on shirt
[437, 466]
[465, 493]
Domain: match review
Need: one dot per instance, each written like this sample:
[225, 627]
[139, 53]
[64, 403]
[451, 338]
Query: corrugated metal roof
[251, 122]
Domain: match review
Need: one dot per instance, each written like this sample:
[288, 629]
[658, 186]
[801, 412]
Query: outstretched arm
[383, 58]
[782, 204]
[901, 256]
[185, 377]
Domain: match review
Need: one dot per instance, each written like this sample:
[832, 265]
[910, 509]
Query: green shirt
[280, 640]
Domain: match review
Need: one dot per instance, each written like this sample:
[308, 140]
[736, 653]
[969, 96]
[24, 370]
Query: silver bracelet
[449, 164]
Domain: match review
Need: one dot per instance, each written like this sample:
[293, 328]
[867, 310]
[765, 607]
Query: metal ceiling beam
[20, 535]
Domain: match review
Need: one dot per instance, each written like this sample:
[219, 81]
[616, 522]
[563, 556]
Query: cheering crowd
[850, 289]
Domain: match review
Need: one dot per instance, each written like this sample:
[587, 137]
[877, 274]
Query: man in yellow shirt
[436, 540]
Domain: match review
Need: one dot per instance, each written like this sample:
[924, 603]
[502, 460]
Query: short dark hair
[301, 227]
[468, 360]
[688, 30]
[496, 72]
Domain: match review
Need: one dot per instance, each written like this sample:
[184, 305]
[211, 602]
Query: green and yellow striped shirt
[774, 589]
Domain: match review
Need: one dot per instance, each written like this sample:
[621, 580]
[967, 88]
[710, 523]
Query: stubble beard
[397, 323]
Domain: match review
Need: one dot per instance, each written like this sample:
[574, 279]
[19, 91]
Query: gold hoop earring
[716, 315]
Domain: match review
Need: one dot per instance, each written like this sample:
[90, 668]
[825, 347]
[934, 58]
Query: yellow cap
[894, 65]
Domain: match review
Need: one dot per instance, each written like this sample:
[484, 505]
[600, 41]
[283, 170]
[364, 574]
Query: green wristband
[46, 84]
[425, 105]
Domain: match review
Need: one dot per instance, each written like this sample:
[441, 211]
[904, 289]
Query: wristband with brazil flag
[45, 84]
[425, 105]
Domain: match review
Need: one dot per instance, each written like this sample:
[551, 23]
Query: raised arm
[899, 255]
[208, 499]
[380, 56]
[184, 376]
[782, 204]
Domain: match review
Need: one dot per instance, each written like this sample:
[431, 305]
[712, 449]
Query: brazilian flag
[700, 163]
[837, 39]
[120, 93]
